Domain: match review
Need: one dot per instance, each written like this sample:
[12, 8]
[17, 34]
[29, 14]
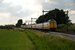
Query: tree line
[58, 15]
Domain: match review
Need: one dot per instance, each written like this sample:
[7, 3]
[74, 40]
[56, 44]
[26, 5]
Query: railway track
[69, 36]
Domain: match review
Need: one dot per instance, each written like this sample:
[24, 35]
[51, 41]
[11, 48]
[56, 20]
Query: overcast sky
[12, 10]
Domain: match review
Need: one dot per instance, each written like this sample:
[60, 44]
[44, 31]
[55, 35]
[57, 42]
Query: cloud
[25, 9]
[20, 9]
[60, 4]
[1, 1]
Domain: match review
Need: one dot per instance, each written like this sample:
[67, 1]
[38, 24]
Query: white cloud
[4, 14]
[72, 15]
[25, 9]
[72, 12]
[61, 4]
[4, 17]
[20, 9]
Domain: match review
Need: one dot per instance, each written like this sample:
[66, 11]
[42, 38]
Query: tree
[58, 15]
[19, 23]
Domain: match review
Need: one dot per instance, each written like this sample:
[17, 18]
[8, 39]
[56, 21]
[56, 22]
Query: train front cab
[53, 25]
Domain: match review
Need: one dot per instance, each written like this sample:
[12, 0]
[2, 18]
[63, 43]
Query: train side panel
[50, 25]
[39, 26]
[46, 25]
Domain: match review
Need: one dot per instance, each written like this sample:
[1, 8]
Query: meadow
[14, 40]
[33, 40]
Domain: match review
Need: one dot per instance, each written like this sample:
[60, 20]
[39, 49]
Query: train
[49, 25]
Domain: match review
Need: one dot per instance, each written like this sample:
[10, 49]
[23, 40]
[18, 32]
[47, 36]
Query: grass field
[33, 40]
[14, 40]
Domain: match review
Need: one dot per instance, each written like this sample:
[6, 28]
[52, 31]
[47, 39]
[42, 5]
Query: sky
[13, 10]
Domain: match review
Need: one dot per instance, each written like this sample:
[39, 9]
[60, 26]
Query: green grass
[50, 42]
[14, 40]
[33, 40]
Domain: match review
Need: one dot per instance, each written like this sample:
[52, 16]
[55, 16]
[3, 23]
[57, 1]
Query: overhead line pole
[66, 12]
[44, 11]
[43, 14]
[32, 21]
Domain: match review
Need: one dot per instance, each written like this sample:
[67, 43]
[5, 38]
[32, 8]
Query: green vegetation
[33, 40]
[66, 27]
[60, 16]
[19, 23]
[14, 40]
[50, 42]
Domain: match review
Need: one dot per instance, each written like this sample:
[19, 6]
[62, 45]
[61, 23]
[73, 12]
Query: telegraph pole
[67, 23]
[66, 12]
[43, 14]
[44, 11]
[32, 21]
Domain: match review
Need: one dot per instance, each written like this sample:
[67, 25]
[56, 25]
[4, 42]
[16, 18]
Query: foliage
[58, 15]
[7, 27]
[19, 23]
[66, 28]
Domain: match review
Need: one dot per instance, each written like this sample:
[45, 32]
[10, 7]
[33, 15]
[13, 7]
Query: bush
[72, 28]
[62, 27]
[66, 27]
